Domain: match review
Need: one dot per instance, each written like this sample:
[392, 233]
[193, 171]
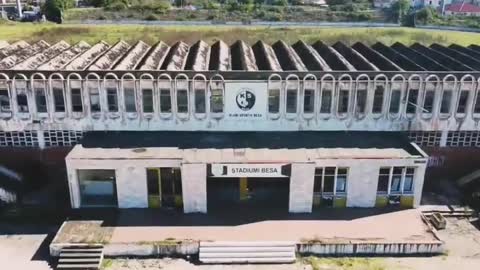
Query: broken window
[291, 100]
[129, 96]
[112, 94]
[462, 101]
[317, 184]
[182, 100]
[309, 101]
[58, 95]
[274, 100]
[446, 101]
[40, 96]
[428, 101]
[216, 100]
[94, 95]
[199, 95]
[343, 98]
[412, 100]
[476, 108]
[4, 97]
[76, 95]
[361, 101]
[165, 101]
[147, 100]
[22, 100]
[326, 104]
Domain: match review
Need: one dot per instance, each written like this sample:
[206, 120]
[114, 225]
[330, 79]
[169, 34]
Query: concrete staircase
[81, 257]
[247, 252]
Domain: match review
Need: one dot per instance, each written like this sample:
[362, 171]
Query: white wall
[131, 178]
[194, 185]
[301, 188]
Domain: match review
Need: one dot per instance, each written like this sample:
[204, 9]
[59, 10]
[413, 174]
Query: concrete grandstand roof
[239, 56]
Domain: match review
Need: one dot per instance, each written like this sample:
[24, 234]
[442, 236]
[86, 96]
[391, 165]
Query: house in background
[462, 9]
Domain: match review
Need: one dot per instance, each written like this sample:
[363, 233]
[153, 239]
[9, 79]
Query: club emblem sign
[245, 99]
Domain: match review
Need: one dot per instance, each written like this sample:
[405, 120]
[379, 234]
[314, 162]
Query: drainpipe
[19, 9]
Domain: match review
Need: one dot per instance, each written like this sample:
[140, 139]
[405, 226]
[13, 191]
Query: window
[446, 101]
[361, 102]
[112, 99]
[330, 180]
[165, 101]
[408, 182]
[58, 97]
[341, 181]
[395, 101]
[476, 108]
[412, 101]
[291, 100]
[77, 105]
[40, 99]
[129, 95]
[383, 179]
[4, 97]
[428, 101]
[395, 180]
[308, 100]
[343, 96]
[97, 187]
[182, 100]
[147, 100]
[94, 96]
[22, 100]
[216, 97]
[274, 100]
[326, 105]
[76, 95]
[462, 101]
[199, 94]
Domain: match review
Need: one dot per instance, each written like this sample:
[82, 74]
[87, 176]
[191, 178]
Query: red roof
[463, 7]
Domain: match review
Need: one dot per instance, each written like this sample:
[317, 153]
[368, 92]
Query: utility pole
[19, 9]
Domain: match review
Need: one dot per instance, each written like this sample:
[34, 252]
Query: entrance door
[153, 186]
[164, 187]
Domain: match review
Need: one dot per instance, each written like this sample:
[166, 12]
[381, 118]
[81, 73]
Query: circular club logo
[245, 99]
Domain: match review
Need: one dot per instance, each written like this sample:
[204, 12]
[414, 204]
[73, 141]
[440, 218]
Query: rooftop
[463, 7]
[239, 56]
[199, 146]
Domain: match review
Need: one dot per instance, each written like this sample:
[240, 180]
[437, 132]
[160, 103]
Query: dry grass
[345, 263]
[190, 34]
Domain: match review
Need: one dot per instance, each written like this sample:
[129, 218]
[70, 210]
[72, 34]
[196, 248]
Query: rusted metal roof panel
[155, 57]
[396, 57]
[37, 60]
[10, 49]
[22, 54]
[354, 58]
[111, 57]
[334, 59]
[220, 57]
[133, 57]
[61, 60]
[177, 57]
[3, 44]
[420, 59]
[265, 57]
[287, 57]
[242, 57]
[88, 57]
[380, 61]
[199, 57]
[459, 56]
[310, 57]
[440, 57]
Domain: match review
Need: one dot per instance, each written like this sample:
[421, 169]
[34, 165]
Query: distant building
[383, 3]
[464, 9]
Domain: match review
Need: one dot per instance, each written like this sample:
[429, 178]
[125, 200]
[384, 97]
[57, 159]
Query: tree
[399, 9]
[53, 9]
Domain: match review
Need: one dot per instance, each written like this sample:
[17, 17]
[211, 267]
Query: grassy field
[151, 34]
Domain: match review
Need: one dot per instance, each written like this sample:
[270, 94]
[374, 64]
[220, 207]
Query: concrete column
[443, 138]
[41, 139]
[194, 187]
[131, 183]
[362, 184]
[73, 186]
[301, 188]
[418, 184]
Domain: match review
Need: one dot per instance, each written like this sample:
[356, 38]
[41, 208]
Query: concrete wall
[194, 184]
[132, 187]
[301, 188]
[131, 179]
